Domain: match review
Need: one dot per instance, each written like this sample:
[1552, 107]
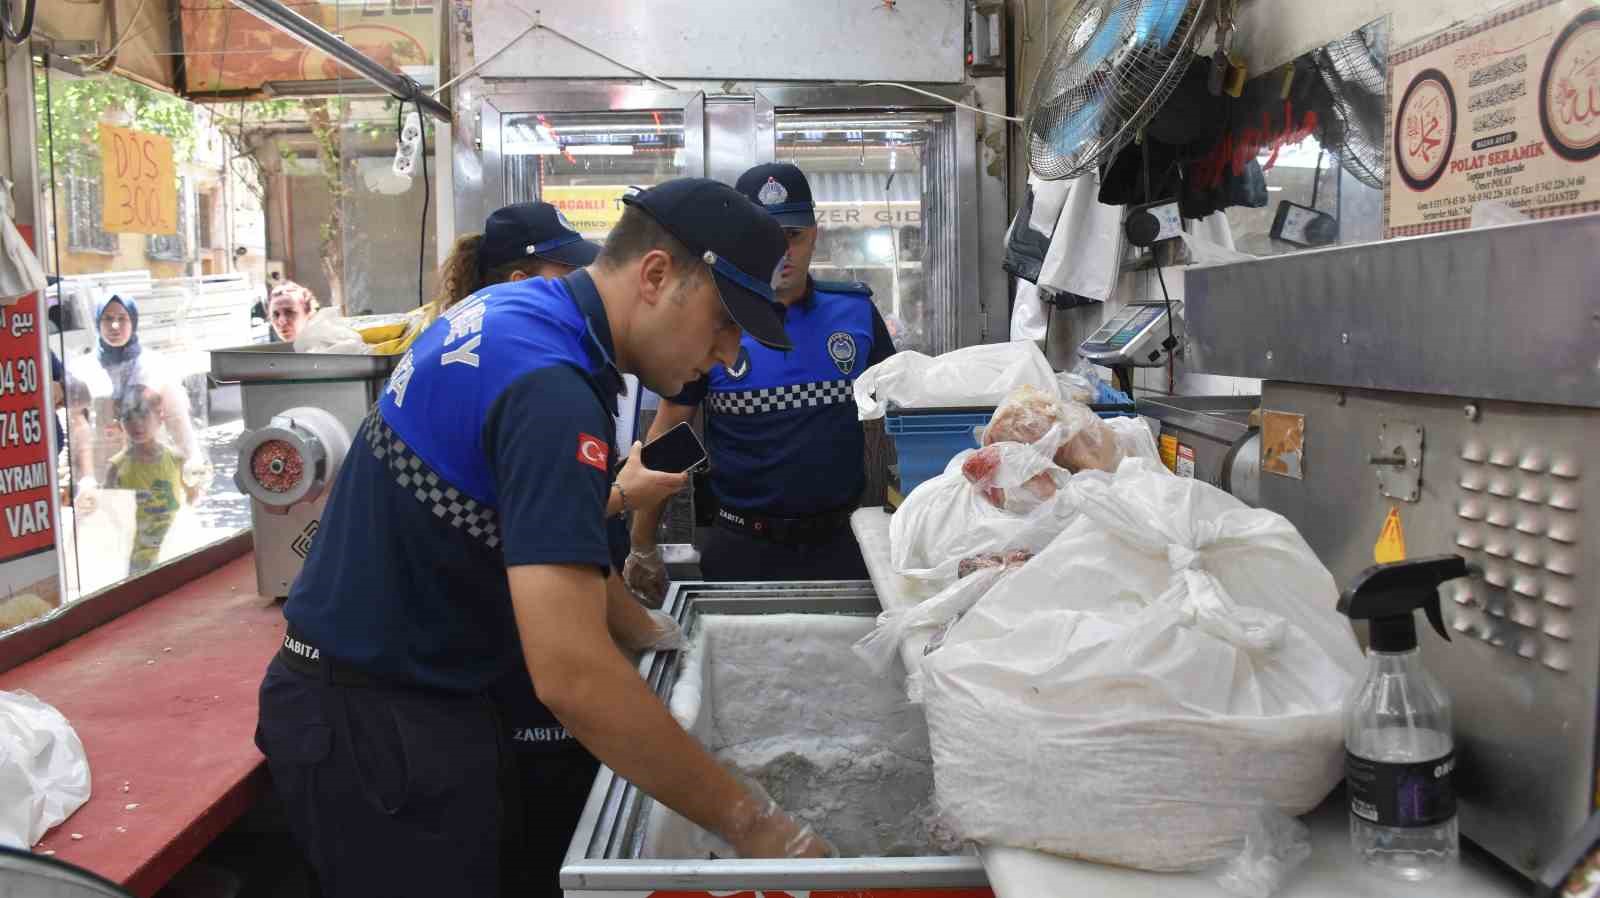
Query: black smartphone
[676, 452]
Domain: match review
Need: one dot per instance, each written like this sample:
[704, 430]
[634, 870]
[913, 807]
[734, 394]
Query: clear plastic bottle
[1398, 731]
[1399, 749]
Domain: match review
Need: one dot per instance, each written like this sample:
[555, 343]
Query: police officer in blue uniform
[465, 537]
[781, 427]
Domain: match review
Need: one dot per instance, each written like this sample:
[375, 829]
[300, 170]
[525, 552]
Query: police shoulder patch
[852, 287]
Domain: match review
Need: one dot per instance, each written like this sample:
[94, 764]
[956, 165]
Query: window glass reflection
[866, 178]
[584, 162]
[143, 439]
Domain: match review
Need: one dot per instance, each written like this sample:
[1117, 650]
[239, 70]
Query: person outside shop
[97, 383]
[153, 471]
[289, 307]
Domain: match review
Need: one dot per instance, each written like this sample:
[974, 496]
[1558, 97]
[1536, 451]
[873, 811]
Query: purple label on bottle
[1401, 794]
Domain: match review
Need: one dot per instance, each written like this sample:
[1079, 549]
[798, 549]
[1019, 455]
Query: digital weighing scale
[1132, 338]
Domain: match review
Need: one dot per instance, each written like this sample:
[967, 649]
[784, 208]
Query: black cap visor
[577, 253]
[752, 309]
[802, 216]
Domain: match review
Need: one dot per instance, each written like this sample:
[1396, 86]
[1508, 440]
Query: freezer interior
[782, 699]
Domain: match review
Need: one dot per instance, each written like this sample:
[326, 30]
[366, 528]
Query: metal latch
[1398, 460]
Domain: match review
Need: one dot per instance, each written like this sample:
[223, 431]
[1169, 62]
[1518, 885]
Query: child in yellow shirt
[153, 471]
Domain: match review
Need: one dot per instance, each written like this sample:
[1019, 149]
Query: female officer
[523, 240]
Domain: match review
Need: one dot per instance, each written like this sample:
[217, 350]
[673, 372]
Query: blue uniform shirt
[781, 428]
[490, 447]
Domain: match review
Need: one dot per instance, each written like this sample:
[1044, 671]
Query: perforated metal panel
[1506, 486]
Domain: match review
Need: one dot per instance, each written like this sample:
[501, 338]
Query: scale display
[1126, 339]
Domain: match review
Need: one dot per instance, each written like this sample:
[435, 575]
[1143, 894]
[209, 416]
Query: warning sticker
[1185, 465]
[1391, 545]
[1169, 451]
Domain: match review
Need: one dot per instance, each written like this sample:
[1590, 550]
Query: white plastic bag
[976, 375]
[877, 649]
[947, 518]
[1134, 438]
[1029, 319]
[1177, 663]
[1275, 847]
[328, 332]
[44, 771]
[20, 271]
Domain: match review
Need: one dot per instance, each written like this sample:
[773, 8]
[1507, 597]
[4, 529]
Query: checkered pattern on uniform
[777, 399]
[443, 500]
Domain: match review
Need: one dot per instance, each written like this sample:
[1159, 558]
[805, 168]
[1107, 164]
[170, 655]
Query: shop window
[84, 233]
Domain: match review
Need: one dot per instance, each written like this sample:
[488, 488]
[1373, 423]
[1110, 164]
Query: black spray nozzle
[1387, 594]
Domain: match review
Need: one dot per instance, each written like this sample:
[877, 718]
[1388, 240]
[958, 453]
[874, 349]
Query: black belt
[808, 530]
[306, 659]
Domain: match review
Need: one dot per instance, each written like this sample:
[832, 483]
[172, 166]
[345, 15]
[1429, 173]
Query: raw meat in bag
[1135, 695]
[948, 518]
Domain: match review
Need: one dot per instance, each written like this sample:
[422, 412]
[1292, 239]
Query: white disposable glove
[767, 831]
[664, 635]
[645, 574]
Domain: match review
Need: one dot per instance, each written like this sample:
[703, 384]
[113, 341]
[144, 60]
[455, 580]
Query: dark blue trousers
[389, 792]
[728, 555]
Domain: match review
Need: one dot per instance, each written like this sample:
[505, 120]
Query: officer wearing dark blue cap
[465, 536]
[522, 240]
[781, 427]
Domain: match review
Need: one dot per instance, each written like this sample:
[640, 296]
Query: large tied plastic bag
[44, 771]
[1144, 686]
[976, 375]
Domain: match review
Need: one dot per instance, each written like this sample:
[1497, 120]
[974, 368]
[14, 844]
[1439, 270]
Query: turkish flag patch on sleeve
[594, 452]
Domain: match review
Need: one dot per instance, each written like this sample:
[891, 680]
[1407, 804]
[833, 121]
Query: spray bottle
[1399, 748]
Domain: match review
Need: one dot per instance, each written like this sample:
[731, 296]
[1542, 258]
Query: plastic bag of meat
[948, 518]
[1025, 417]
[1017, 476]
[1106, 444]
[1092, 448]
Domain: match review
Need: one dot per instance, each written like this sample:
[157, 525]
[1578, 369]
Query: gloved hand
[645, 574]
[664, 634]
[87, 497]
[766, 831]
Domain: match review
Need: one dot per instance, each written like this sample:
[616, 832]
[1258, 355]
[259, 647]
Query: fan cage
[1129, 84]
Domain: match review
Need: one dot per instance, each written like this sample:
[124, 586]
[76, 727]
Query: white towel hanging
[20, 271]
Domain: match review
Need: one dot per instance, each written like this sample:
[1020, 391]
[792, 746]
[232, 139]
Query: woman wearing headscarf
[98, 382]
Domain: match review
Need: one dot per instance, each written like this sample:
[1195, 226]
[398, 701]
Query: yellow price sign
[139, 184]
[592, 210]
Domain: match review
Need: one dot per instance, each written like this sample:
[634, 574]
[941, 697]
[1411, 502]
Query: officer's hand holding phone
[644, 488]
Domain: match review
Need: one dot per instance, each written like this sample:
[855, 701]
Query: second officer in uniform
[781, 427]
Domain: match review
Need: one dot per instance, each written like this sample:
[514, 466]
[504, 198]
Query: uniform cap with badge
[743, 246]
[782, 190]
